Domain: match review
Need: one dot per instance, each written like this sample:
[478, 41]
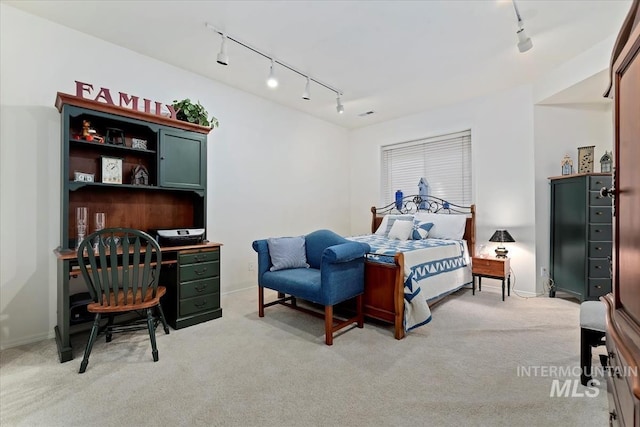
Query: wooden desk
[492, 268]
[183, 305]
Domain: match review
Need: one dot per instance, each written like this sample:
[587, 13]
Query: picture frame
[139, 144]
[83, 177]
[111, 170]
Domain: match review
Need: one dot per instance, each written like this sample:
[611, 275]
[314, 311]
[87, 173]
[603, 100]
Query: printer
[178, 236]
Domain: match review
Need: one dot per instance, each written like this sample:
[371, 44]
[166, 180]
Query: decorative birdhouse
[140, 175]
[606, 162]
[567, 165]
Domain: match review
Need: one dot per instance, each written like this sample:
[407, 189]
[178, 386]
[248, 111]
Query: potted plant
[187, 111]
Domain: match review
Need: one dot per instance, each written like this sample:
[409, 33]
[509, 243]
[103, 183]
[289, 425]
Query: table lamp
[501, 236]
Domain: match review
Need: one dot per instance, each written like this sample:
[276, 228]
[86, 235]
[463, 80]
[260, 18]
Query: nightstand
[492, 268]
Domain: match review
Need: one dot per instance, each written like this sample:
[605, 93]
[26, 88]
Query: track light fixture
[272, 82]
[524, 42]
[307, 90]
[223, 58]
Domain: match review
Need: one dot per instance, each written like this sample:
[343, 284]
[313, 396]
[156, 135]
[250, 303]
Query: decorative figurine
[423, 192]
[567, 165]
[585, 159]
[606, 162]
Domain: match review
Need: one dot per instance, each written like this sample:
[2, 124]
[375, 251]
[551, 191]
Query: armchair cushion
[287, 252]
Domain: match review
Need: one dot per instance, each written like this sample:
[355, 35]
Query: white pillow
[445, 226]
[387, 223]
[401, 230]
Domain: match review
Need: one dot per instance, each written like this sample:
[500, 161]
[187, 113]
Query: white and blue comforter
[432, 268]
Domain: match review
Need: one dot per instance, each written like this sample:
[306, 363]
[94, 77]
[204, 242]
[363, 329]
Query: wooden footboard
[384, 293]
[384, 283]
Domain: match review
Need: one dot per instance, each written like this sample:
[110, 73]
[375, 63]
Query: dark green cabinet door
[182, 159]
[569, 243]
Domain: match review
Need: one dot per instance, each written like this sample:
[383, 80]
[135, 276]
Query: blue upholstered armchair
[321, 267]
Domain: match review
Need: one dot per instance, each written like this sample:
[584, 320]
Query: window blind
[445, 162]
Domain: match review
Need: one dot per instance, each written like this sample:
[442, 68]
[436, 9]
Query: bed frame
[384, 283]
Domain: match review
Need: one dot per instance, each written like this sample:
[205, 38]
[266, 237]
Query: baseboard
[6, 344]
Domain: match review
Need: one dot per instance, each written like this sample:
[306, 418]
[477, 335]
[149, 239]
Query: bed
[404, 278]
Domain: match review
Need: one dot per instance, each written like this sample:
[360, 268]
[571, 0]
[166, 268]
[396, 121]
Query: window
[445, 162]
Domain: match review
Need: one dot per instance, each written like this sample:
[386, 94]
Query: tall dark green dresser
[580, 236]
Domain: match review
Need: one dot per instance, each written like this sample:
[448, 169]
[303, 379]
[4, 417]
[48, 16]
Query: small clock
[111, 170]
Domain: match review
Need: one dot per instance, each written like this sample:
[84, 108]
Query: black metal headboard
[418, 203]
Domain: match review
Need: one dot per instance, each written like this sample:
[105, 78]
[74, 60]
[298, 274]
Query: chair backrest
[115, 261]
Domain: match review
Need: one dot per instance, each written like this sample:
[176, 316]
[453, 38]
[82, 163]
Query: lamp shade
[502, 236]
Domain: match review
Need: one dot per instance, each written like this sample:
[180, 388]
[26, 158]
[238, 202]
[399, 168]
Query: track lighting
[524, 42]
[307, 90]
[272, 82]
[223, 58]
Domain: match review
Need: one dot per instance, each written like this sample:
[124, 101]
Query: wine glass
[81, 224]
[100, 223]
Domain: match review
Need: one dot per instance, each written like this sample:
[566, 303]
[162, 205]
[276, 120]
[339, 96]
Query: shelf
[90, 144]
[76, 185]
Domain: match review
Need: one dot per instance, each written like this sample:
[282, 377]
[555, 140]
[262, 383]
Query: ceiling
[394, 58]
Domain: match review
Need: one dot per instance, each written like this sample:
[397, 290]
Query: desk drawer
[197, 257]
[198, 304]
[199, 271]
[199, 287]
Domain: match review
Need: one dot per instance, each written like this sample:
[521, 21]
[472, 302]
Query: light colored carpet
[240, 370]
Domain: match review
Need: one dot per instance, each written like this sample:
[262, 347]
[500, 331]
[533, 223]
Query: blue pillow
[287, 252]
[421, 230]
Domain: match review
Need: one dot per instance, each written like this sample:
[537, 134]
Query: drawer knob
[200, 273]
[598, 248]
[201, 288]
[597, 230]
[202, 304]
[598, 212]
[197, 258]
[598, 267]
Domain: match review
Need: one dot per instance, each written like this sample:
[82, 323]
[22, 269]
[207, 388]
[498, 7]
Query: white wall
[560, 130]
[502, 156]
[272, 171]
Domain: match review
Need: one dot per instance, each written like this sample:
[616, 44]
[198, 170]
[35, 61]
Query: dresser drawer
[595, 199]
[597, 182]
[197, 257]
[199, 287]
[199, 271]
[599, 249]
[599, 268]
[599, 287]
[600, 232]
[198, 304]
[600, 214]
